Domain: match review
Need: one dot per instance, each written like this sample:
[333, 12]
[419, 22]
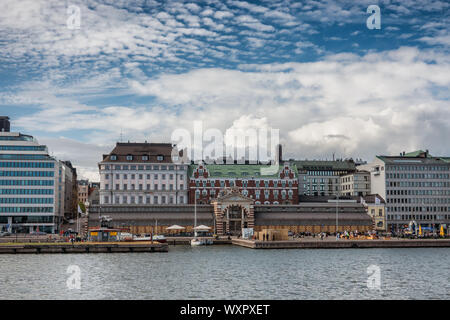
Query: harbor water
[231, 272]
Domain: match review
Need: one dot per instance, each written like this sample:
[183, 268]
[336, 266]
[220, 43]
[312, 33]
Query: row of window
[267, 193]
[26, 191]
[141, 176]
[143, 158]
[143, 200]
[24, 157]
[27, 219]
[27, 164]
[142, 167]
[417, 168]
[27, 200]
[417, 175]
[244, 183]
[418, 184]
[141, 187]
[417, 209]
[26, 209]
[26, 182]
[420, 200]
[419, 192]
[26, 173]
[23, 148]
[326, 173]
[409, 217]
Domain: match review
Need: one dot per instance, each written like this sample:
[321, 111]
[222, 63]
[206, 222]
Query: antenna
[120, 135]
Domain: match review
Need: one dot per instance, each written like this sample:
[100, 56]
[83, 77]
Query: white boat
[160, 238]
[142, 238]
[196, 242]
[199, 241]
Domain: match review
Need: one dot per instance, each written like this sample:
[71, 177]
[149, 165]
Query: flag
[79, 210]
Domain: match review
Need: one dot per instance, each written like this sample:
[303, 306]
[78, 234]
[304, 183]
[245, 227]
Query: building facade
[142, 173]
[376, 208]
[321, 177]
[231, 211]
[415, 186]
[83, 190]
[355, 184]
[208, 180]
[31, 185]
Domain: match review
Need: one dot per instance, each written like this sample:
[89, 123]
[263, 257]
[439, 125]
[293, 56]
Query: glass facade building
[28, 185]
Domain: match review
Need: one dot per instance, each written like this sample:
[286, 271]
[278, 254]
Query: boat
[145, 237]
[160, 238]
[198, 241]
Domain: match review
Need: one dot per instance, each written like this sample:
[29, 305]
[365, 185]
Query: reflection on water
[229, 272]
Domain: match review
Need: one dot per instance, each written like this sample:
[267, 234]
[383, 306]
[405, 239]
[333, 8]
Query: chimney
[280, 153]
[4, 124]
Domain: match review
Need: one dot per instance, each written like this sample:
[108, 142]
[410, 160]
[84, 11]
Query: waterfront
[230, 272]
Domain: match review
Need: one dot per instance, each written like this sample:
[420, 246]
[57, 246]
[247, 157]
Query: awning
[175, 227]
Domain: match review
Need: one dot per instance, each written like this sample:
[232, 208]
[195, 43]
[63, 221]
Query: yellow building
[376, 208]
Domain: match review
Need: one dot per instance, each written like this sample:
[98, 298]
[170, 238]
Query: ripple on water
[228, 272]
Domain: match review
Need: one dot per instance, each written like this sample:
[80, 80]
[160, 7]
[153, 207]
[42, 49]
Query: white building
[142, 173]
[415, 186]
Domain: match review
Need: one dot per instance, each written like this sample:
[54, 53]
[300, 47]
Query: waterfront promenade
[83, 247]
[332, 243]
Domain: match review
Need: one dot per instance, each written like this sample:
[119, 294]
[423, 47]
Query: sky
[138, 70]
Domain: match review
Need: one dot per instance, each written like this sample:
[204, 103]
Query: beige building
[355, 184]
[83, 190]
[376, 208]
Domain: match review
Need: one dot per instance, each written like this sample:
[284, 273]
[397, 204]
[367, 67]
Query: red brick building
[209, 180]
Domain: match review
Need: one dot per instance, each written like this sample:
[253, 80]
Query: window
[113, 157]
[129, 157]
[160, 158]
[145, 158]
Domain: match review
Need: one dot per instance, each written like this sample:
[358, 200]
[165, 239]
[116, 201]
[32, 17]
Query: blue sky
[312, 69]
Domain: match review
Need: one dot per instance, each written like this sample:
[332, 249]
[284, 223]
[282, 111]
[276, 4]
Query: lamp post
[337, 220]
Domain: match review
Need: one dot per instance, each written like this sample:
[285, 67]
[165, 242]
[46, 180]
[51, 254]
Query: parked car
[5, 234]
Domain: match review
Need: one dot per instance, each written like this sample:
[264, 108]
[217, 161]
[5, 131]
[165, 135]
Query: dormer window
[145, 158]
[113, 157]
[129, 157]
[160, 158]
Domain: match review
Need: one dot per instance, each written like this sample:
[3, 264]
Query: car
[38, 233]
[290, 234]
[5, 234]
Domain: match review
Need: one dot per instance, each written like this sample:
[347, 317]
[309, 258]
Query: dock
[342, 244]
[83, 247]
[187, 240]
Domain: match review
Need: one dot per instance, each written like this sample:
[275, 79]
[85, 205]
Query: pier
[82, 247]
[343, 244]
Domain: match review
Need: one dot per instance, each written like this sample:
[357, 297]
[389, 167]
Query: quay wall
[343, 244]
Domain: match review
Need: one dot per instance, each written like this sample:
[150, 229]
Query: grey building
[322, 177]
[416, 188]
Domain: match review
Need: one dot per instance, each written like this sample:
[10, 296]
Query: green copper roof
[416, 153]
[239, 170]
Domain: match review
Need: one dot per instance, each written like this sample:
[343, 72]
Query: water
[229, 272]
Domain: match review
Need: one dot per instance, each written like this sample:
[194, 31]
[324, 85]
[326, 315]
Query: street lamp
[337, 221]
